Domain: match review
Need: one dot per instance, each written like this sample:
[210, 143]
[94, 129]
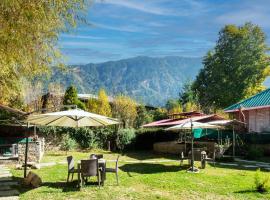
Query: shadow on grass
[246, 191]
[145, 155]
[66, 187]
[237, 167]
[149, 168]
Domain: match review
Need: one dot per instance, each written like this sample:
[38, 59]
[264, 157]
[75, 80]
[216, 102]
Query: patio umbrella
[71, 118]
[68, 118]
[190, 126]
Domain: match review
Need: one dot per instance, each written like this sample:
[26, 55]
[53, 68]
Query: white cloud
[82, 36]
[143, 6]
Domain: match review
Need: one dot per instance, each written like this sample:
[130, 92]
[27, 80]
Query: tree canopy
[28, 38]
[101, 105]
[71, 98]
[124, 108]
[235, 69]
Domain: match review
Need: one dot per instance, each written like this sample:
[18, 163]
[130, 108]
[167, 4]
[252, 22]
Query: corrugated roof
[261, 99]
[172, 122]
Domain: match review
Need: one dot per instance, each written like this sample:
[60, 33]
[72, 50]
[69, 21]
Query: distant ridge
[150, 80]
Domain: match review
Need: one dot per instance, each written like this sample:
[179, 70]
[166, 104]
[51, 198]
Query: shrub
[84, 136]
[254, 153]
[261, 181]
[124, 137]
[68, 143]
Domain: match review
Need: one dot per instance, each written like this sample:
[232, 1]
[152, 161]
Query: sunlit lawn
[145, 180]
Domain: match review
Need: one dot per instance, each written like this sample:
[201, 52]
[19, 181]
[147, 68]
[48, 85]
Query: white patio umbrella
[71, 118]
[68, 118]
[190, 125]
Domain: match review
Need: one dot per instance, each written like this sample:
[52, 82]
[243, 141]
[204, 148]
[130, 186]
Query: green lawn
[145, 181]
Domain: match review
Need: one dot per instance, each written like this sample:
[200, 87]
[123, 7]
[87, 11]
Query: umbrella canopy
[194, 125]
[71, 118]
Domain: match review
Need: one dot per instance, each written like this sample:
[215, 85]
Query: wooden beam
[12, 110]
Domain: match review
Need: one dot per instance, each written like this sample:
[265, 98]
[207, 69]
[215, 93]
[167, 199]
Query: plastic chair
[71, 168]
[114, 170]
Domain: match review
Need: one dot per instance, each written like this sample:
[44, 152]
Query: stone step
[9, 183]
[3, 179]
[5, 175]
[9, 193]
[5, 187]
[10, 198]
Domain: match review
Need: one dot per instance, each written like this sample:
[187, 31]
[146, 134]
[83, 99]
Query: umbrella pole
[26, 154]
[233, 142]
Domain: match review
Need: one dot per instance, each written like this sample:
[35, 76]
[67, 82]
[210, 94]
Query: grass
[145, 180]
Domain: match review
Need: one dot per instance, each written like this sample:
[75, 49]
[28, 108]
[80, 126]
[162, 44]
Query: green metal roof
[259, 100]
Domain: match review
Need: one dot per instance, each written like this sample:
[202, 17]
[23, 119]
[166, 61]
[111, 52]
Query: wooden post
[192, 152]
[233, 142]
[26, 153]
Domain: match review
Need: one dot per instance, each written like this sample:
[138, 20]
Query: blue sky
[127, 28]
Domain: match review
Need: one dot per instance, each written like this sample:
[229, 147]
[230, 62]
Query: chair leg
[72, 176]
[98, 181]
[83, 181]
[117, 181]
[181, 163]
[68, 177]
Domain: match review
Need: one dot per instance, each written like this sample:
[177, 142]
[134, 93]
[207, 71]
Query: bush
[68, 143]
[254, 153]
[261, 181]
[124, 137]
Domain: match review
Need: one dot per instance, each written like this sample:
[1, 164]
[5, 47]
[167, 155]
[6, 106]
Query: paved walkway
[7, 192]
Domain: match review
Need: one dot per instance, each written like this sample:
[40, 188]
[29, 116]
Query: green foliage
[71, 98]
[236, 67]
[261, 181]
[254, 153]
[143, 117]
[85, 137]
[68, 143]
[159, 114]
[28, 37]
[188, 98]
[173, 106]
[124, 137]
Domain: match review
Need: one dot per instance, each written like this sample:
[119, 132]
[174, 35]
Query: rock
[32, 179]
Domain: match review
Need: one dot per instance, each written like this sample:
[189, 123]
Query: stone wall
[35, 151]
[169, 147]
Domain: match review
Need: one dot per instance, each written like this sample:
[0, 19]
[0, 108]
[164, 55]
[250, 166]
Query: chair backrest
[96, 156]
[89, 167]
[70, 161]
[93, 156]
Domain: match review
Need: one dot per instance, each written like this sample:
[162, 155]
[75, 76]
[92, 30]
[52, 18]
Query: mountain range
[149, 80]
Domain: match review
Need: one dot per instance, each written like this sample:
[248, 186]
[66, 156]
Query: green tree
[143, 117]
[235, 69]
[124, 108]
[71, 98]
[188, 98]
[173, 106]
[92, 105]
[159, 114]
[28, 39]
